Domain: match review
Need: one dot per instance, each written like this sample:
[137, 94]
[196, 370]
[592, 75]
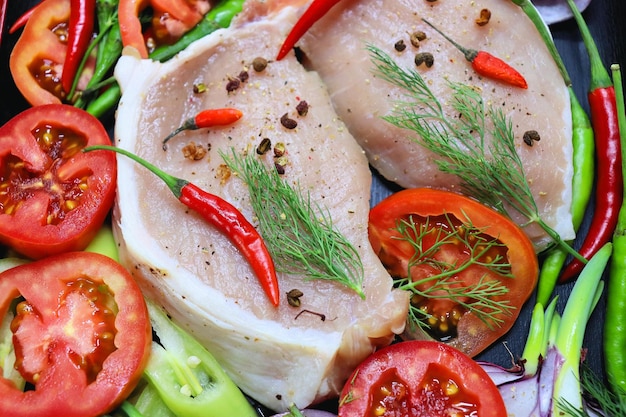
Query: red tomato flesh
[454, 233]
[55, 197]
[420, 378]
[81, 334]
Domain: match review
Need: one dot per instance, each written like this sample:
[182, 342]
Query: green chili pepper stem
[599, 75]
[173, 183]
[614, 339]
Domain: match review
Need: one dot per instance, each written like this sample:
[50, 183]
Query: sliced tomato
[55, 197]
[455, 245]
[36, 61]
[81, 335]
[420, 378]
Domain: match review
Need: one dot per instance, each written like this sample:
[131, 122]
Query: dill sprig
[298, 232]
[491, 172]
[483, 298]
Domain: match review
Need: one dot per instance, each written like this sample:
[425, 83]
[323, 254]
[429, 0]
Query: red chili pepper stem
[221, 214]
[315, 12]
[206, 118]
[486, 64]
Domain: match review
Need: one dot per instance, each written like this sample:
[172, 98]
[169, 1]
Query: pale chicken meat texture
[275, 355]
[335, 47]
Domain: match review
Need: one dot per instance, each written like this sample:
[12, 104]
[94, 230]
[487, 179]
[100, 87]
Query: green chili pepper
[583, 158]
[582, 187]
[615, 318]
[186, 376]
[218, 17]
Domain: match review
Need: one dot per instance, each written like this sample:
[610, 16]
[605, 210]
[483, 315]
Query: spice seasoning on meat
[199, 88]
[293, 297]
[399, 45]
[233, 84]
[264, 146]
[531, 136]
[279, 149]
[425, 58]
[287, 122]
[302, 108]
[281, 163]
[259, 64]
[485, 16]
[416, 37]
[194, 152]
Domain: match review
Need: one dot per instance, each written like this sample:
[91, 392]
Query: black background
[606, 20]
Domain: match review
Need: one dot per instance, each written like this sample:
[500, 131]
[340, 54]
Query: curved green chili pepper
[583, 158]
[582, 188]
[615, 319]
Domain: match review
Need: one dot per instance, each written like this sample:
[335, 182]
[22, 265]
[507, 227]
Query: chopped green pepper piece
[187, 377]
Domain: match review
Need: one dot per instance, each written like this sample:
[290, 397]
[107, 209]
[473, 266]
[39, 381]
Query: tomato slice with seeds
[420, 378]
[81, 335]
[471, 269]
[36, 61]
[54, 197]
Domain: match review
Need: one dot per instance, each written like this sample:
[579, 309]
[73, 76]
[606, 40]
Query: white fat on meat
[275, 355]
[335, 48]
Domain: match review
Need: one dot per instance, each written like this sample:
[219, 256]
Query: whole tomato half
[470, 269]
[420, 378]
[54, 197]
[81, 335]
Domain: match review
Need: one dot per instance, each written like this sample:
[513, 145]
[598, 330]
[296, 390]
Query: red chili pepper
[80, 31]
[207, 118]
[21, 21]
[488, 65]
[224, 216]
[3, 15]
[609, 180]
[315, 12]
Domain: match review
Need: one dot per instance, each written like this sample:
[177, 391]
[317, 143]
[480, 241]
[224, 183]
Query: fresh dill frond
[484, 296]
[491, 172]
[298, 232]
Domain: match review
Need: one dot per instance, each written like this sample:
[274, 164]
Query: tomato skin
[473, 334]
[61, 388]
[89, 181]
[416, 364]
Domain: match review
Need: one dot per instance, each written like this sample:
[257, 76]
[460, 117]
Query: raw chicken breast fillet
[273, 354]
[335, 47]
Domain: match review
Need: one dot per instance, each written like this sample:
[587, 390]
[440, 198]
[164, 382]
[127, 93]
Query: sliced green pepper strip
[188, 379]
